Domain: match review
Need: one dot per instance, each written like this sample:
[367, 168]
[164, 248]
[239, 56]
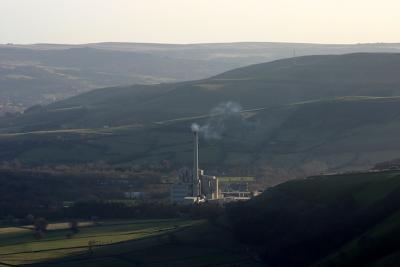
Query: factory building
[193, 186]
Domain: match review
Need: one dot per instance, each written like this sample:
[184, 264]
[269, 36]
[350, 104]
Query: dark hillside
[304, 138]
[317, 114]
[299, 223]
[376, 68]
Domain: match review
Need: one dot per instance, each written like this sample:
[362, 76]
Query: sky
[199, 21]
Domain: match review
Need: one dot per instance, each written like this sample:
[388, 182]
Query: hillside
[299, 139]
[305, 115]
[336, 220]
[298, 116]
[44, 73]
[31, 76]
[264, 85]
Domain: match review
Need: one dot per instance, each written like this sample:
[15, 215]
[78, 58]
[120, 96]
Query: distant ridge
[52, 76]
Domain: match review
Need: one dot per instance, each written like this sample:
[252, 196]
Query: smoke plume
[220, 118]
[195, 127]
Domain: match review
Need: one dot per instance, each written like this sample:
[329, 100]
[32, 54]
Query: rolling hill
[32, 76]
[258, 86]
[44, 73]
[309, 114]
[319, 136]
[336, 220]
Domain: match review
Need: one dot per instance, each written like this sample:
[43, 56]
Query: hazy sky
[193, 21]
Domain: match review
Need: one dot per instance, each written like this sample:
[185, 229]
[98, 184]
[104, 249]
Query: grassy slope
[350, 132]
[264, 85]
[127, 243]
[375, 247]
[35, 76]
[19, 246]
[118, 125]
[351, 219]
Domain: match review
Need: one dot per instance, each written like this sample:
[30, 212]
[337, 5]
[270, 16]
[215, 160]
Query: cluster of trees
[40, 225]
[96, 210]
[145, 210]
[97, 168]
[44, 190]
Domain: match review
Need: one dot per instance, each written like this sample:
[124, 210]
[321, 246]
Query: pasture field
[173, 242]
[18, 245]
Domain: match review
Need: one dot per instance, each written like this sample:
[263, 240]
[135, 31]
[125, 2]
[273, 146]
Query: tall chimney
[196, 180]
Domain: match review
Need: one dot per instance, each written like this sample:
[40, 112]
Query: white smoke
[219, 117]
[195, 127]
[226, 108]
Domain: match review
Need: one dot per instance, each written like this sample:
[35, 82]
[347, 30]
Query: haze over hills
[43, 73]
[304, 115]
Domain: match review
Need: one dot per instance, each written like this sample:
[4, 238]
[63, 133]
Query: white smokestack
[196, 180]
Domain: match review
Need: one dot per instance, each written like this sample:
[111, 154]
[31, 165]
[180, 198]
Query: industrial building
[193, 186]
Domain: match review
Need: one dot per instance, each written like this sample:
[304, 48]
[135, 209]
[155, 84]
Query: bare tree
[40, 226]
[74, 226]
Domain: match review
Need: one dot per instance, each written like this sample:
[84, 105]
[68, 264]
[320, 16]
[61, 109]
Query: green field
[122, 243]
[19, 246]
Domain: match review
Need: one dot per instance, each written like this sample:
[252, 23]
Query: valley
[310, 132]
[199, 133]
